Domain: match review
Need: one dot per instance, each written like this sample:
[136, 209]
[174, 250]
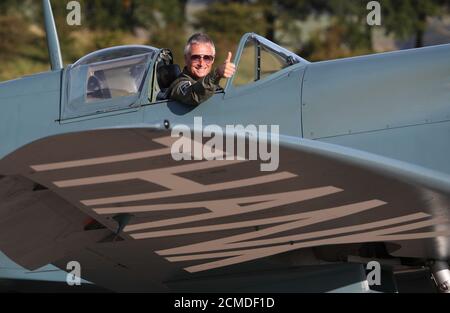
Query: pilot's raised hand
[227, 69]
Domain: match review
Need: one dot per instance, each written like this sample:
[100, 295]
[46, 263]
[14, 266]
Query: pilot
[198, 82]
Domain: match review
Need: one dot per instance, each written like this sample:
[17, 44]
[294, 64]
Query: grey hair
[197, 39]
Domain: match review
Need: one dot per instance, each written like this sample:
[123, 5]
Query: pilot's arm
[191, 92]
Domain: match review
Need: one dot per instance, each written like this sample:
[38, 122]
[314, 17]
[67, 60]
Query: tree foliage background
[168, 23]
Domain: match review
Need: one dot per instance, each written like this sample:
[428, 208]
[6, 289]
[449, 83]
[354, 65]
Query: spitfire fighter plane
[87, 175]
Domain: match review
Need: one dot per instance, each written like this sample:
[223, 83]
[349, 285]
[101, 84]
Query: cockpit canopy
[259, 58]
[111, 74]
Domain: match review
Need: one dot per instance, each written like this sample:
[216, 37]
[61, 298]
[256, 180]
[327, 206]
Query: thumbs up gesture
[227, 69]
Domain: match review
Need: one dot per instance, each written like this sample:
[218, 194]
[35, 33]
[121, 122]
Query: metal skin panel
[28, 104]
[376, 92]
[427, 145]
[30, 85]
[273, 101]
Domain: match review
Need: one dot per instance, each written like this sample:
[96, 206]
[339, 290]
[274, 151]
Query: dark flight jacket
[187, 90]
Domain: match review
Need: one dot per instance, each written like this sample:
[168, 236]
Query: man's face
[199, 62]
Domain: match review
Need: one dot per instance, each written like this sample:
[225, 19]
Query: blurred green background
[314, 29]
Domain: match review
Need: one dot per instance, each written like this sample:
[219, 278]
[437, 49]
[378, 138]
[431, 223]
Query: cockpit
[257, 59]
[129, 76]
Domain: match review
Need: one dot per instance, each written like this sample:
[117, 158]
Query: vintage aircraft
[364, 174]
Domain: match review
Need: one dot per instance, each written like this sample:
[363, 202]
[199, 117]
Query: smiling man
[199, 82]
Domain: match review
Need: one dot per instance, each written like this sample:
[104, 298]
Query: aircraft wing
[136, 219]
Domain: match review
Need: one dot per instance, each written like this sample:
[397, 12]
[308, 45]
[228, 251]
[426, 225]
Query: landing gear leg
[441, 275]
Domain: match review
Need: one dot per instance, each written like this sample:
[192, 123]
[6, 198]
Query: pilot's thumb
[230, 55]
